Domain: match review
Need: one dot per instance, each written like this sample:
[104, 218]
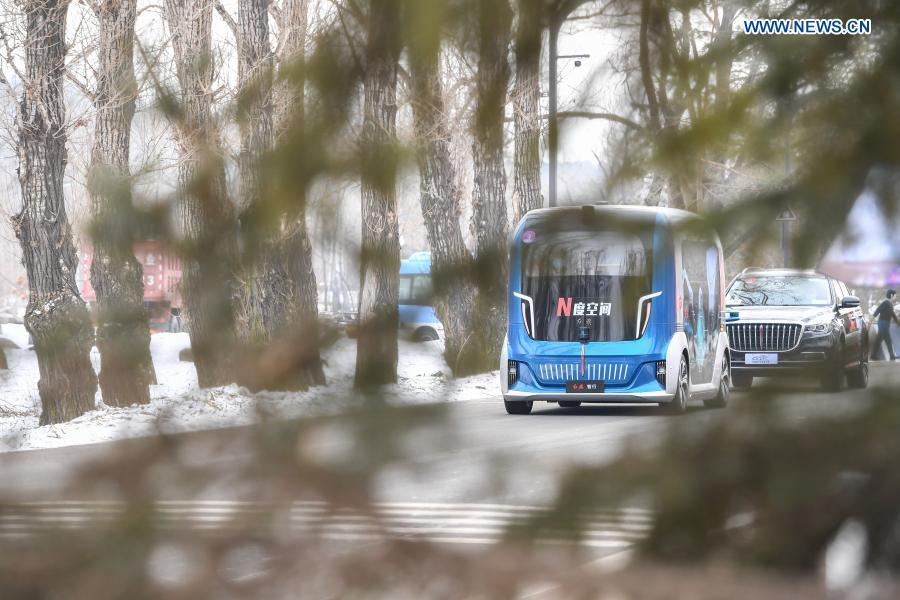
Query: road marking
[435, 522]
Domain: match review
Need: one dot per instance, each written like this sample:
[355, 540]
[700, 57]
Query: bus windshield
[586, 284]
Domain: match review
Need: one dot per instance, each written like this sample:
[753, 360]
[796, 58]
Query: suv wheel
[720, 400]
[833, 378]
[741, 381]
[858, 376]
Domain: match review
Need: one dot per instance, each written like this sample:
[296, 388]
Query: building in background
[162, 279]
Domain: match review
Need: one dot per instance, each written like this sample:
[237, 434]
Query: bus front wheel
[426, 334]
[720, 400]
[518, 407]
[678, 404]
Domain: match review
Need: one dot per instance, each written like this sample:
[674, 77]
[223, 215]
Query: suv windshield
[586, 278]
[786, 290]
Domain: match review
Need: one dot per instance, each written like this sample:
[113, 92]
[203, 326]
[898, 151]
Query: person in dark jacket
[885, 314]
[175, 320]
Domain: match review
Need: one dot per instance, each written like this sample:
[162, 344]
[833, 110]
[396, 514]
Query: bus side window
[421, 290]
[405, 296]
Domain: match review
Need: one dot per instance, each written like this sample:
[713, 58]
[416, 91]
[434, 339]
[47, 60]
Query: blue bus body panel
[627, 367]
[417, 264]
[415, 315]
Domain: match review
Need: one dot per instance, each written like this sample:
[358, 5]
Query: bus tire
[678, 405]
[518, 407]
[426, 334]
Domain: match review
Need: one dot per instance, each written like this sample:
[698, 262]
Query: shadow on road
[601, 410]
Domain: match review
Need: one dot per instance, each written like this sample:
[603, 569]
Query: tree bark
[440, 198]
[376, 347]
[209, 224]
[56, 316]
[259, 305]
[291, 262]
[288, 94]
[527, 110]
[489, 215]
[126, 367]
[723, 56]
[653, 27]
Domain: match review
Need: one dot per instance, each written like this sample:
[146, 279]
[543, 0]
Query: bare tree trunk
[376, 348]
[56, 316]
[723, 56]
[440, 197]
[652, 16]
[276, 309]
[527, 110]
[489, 219]
[208, 218]
[294, 250]
[294, 15]
[126, 370]
[259, 305]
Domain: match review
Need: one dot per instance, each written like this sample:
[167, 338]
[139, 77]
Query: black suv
[790, 322]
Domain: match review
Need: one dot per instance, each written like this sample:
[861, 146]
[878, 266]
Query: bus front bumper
[623, 397]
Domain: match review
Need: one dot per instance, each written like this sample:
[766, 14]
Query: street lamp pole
[553, 131]
[559, 13]
[787, 215]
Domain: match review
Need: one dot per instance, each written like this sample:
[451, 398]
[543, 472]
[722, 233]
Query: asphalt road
[461, 483]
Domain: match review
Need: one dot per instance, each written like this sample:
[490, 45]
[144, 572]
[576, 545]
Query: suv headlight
[818, 328]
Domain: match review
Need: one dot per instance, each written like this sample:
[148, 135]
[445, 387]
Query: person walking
[175, 320]
[885, 314]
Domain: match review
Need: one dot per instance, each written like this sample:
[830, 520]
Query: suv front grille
[764, 337]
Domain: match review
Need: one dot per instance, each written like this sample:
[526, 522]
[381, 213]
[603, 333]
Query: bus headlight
[512, 372]
[661, 372]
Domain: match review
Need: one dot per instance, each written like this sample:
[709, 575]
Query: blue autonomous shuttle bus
[614, 304]
[417, 317]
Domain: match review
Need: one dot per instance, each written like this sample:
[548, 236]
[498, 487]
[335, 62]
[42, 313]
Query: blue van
[417, 318]
[614, 304]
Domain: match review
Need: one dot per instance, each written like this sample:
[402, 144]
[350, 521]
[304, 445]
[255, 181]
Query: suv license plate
[761, 359]
[584, 387]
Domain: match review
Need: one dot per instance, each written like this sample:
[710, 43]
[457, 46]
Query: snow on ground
[177, 404]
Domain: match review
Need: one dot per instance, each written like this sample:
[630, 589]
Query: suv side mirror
[849, 302]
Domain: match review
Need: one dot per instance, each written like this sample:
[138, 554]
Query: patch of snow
[845, 557]
[177, 404]
[16, 333]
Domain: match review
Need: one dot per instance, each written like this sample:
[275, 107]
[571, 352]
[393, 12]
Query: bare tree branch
[276, 13]
[82, 86]
[229, 20]
[583, 114]
[9, 55]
